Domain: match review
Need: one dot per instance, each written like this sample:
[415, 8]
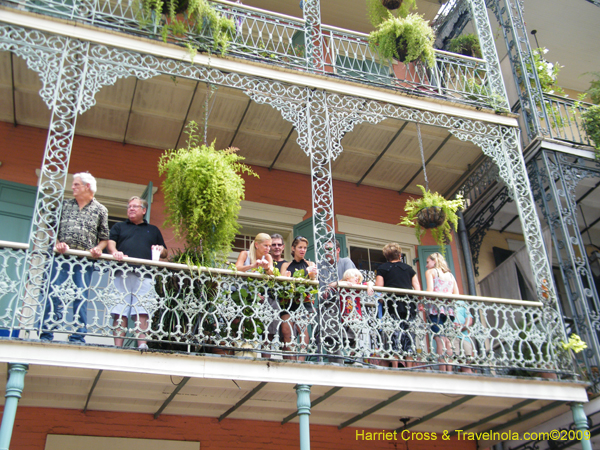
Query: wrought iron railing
[278, 39]
[482, 177]
[201, 309]
[564, 119]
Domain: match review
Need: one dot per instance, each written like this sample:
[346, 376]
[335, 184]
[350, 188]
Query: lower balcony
[230, 345]
[175, 307]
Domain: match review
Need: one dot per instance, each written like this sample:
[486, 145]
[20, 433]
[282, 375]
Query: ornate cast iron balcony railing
[564, 119]
[198, 309]
[278, 39]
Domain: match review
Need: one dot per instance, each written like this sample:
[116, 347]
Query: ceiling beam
[281, 148]
[246, 397]
[524, 417]
[446, 139]
[187, 114]
[590, 225]
[508, 224]
[87, 402]
[377, 407]
[495, 416]
[130, 110]
[436, 413]
[179, 387]
[382, 153]
[240, 123]
[471, 169]
[577, 202]
[322, 398]
[588, 192]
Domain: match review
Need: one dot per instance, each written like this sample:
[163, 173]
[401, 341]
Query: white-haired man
[83, 226]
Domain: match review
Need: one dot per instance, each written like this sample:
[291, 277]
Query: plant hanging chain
[422, 156]
[211, 90]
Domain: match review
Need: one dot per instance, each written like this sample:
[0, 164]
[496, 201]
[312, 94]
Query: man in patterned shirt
[83, 226]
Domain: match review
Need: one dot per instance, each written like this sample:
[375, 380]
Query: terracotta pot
[391, 4]
[222, 351]
[431, 217]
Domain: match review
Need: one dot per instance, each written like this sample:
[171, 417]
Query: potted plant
[406, 39]
[432, 211]
[293, 292]
[467, 44]
[247, 296]
[177, 16]
[203, 189]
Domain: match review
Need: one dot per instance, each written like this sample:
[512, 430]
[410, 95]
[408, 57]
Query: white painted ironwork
[197, 308]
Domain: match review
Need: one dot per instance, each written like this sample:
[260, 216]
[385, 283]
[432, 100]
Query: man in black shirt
[134, 238]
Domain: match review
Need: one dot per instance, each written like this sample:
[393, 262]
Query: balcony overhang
[111, 379]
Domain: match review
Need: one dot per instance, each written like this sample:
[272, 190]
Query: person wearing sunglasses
[277, 250]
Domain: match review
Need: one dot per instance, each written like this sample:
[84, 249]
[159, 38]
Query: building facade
[340, 138]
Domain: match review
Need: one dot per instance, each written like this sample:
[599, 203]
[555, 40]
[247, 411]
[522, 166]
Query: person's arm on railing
[112, 250]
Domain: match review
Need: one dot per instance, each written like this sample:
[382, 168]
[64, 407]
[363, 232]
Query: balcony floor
[62, 375]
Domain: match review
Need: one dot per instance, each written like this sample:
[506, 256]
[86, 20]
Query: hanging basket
[391, 4]
[431, 217]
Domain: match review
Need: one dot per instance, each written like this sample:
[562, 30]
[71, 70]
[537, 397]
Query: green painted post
[581, 423]
[303, 403]
[14, 388]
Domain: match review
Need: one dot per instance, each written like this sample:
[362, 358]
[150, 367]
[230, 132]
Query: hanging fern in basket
[442, 233]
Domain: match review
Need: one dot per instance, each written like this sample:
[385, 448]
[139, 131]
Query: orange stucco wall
[33, 424]
[22, 150]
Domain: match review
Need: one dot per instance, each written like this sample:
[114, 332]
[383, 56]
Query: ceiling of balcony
[153, 113]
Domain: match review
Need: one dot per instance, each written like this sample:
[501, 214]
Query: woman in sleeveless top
[257, 256]
[440, 279]
[289, 327]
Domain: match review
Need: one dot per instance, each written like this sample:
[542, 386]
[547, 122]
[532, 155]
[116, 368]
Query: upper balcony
[280, 40]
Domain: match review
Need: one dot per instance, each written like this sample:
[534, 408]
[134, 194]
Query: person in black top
[395, 274]
[134, 238]
[299, 247]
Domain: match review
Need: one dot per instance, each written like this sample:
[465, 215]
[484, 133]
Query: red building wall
[33, 424]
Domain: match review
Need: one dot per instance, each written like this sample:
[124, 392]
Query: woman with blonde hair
[439, 278]
[257, 256]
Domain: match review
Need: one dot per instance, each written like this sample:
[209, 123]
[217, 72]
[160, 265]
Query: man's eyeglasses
[134, 206]
[276, 245]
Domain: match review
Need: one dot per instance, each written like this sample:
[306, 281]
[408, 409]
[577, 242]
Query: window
[366, 239]
[368, 258]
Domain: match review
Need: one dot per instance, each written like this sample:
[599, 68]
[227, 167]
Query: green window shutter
[305, 228]
[147, 195]
[17, 202]
[424, 252]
